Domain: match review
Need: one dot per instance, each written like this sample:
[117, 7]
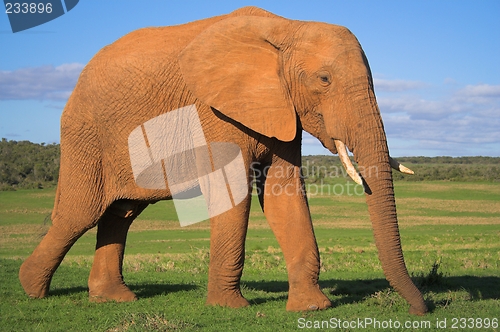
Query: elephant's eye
[325, 78]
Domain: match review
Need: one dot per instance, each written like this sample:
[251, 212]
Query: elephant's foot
[35, 281]
[419, 310]
[105, 292]
[232, 299]
[311, 298]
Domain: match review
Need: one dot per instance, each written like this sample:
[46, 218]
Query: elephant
[252, 81]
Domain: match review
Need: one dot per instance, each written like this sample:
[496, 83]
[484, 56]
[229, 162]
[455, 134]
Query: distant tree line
[468, 169]
[26, 165]
[451, 169]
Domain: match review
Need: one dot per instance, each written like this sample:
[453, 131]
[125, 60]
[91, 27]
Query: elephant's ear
[234, 67]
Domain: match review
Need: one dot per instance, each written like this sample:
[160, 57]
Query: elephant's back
[170, 39]
[156, 40]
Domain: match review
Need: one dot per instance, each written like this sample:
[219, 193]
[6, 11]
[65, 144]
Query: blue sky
[435, 64]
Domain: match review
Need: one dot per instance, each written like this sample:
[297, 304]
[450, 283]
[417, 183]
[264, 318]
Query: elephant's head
[266, 72]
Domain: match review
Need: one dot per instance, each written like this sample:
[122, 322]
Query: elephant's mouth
[351, 170]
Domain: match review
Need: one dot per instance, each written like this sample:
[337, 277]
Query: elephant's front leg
[227, 254]
[286, 209]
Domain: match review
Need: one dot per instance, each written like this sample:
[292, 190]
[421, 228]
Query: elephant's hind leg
[78, 203]
[106, 278]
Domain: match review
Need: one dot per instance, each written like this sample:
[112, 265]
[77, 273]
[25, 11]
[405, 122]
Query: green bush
[26, 165]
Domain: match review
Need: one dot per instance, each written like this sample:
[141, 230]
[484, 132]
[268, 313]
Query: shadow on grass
[151, 290]
[343, 292]
[146, 290]
[65, 291]
[479, 288]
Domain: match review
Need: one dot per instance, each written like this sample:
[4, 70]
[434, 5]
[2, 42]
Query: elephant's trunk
[373, 159]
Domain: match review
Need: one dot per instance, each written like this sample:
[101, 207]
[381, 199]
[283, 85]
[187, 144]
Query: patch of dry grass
[461, 206]
[408, 221]
[149, 322]
[44, 194]
[445, 186]
[148, 225]
[29, 211]
[23, 229]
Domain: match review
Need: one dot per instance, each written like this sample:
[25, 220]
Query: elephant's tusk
[400, 167]
[346, 162]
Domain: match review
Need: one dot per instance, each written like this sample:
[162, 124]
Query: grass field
[450, 235]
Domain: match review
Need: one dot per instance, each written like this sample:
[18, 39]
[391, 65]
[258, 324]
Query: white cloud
[465, 122]
[415, 107]
[482, 90]
[383, 85]
[39, 83]
[478, 94]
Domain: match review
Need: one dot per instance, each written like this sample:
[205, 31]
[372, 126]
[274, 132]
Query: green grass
[449, 230]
